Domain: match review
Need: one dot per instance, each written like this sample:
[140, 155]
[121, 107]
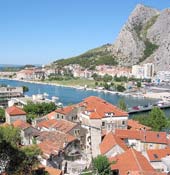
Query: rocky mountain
[145, 37]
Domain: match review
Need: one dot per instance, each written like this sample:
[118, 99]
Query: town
[85, 87]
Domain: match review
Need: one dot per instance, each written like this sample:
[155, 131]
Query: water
[72, 96]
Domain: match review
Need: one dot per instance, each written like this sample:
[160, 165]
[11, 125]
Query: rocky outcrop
[130, 45]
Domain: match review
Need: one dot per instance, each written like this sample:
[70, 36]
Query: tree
[15, 160]
[138, 84]
[120, 88]
[2, 114]
[102, 165]
[107, 78]
[157, 119]
[25, 88]
[122, 105]
[31, 158]
[34, 110]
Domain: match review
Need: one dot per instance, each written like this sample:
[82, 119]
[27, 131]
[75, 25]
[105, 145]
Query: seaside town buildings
[71, 136]
[143, 71]
[7, 93]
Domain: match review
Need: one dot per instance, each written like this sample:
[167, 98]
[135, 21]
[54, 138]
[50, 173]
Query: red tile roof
[64, 125]
[53, 171]
[51, 115]
[66, 110]
[14, 110]
[21, 124]
[53, 141]
[145, 136]
[158, 154]
[60, 125]
[130, 134]
[110, 141]
[47, 123]
[99, 107]
[135, 125]
[132, 161]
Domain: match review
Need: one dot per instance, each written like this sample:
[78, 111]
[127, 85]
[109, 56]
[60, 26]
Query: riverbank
[77, 87]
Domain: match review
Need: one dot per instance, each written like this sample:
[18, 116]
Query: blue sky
[41, 31]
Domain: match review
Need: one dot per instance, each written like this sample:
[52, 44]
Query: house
[27, 132]
[97, 114]
[51, 115]
[68, 113]
[112, 145]
[14, 113]
[25, 74]
[64, 126]
[131, 162]
[135, 125]
[156, 158]
[143, 140]
[56, 147]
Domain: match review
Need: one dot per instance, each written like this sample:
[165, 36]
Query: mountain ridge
[145, 37]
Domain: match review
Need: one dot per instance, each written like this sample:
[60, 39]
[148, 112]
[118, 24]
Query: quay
[140, 109]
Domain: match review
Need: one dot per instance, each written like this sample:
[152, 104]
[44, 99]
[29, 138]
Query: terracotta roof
[47, 123]
[60, 125]
[158, 154]
[132, 161]
[53, 141]
[130, 134]
[110, 141]
[135, 125]
[145, 136]
[64, 125]
[154, 137]
[14, 110]
[48, 148]
[53, 171]
[66, 110]
[51, 115]
[21, 124]
[99, 107]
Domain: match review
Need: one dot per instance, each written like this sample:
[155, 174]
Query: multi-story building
[7, 93]
[148, 70]
[97, 114]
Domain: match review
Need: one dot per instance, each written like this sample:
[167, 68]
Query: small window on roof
[158, 135]
[155, 156]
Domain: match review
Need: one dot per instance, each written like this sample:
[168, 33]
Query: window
[123, 122]
[62, 116]
[103, 124]
[155, 156]
[58, 116]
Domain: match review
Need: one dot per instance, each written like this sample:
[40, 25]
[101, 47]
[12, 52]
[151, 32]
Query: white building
[148, 70]
[138, 71]
[163, 76]
[96, 116]
[14, 113]
[144, 71]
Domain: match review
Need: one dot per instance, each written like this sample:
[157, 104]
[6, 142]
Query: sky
[41, 31]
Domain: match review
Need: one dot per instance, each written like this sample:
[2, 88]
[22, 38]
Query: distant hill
[145, 37]
[91, 58]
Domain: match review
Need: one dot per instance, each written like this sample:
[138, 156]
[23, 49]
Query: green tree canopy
[122, 105]
[14, 159]
[155, 119]
[102, 165]
[2, 114]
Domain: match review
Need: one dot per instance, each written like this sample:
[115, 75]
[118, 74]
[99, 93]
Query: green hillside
[91, 58]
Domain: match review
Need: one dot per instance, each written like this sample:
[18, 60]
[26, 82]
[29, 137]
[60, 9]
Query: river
[69, 95]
